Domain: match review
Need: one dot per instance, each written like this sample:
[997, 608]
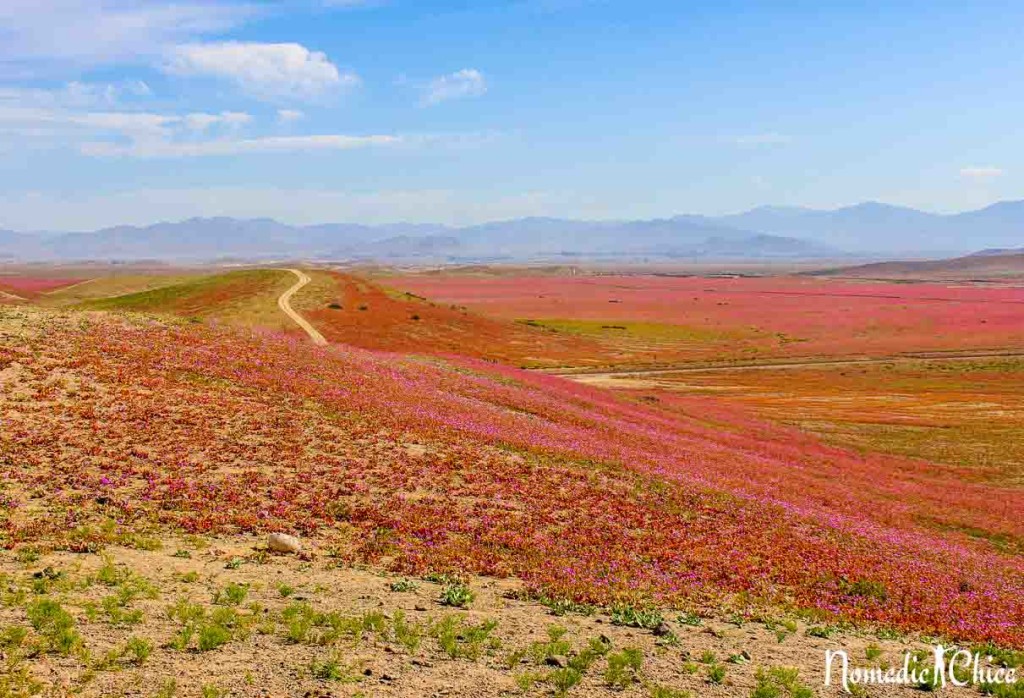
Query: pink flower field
[758, 317]
[451, 464]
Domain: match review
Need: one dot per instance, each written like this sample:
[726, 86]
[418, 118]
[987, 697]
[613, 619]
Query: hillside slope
[1009, 265]
[245, 297]
[460, 466]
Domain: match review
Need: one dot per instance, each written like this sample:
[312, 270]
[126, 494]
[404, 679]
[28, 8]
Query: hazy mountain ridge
[766, 232]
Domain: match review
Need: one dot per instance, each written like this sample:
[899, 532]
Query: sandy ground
[260, 659]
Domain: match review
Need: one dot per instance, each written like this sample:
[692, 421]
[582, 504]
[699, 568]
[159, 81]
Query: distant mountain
[997, 252]
[880, 228]
[770, 232]
[523, 239]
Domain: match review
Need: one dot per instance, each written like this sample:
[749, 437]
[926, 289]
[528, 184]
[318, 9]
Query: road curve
[284, 303]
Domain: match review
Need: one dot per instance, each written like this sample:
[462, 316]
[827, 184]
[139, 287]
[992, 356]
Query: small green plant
[564, 679]
[213, 691]
[138, 650]
[708, 657]
[285, 590]
[460, 640]
[168, 689]
[716, 674]
[212, 636]
[691, 619]
[555, 646]
[232, 595]
[404, 585]
[777, 682]
[623, 667]
[633, 617]
[56, 625]
[658, 691]
[563, 607]
[822, 631]
[332, 669]
[409, 635]
[872, 652]
[27, 556]
[182, 554]
[234, 563]
[456, 594]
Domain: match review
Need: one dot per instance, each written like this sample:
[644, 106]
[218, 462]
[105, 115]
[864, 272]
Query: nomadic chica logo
[948, 666]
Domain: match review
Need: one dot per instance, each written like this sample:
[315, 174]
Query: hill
[1001, 265]
[459, 466]
[246, 297]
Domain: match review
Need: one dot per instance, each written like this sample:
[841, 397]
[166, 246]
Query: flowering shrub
[464, 466]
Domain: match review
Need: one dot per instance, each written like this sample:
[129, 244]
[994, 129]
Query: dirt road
[284, 303]
[597, 377]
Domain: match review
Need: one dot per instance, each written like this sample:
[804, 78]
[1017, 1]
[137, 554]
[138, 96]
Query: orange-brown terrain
[470, 528]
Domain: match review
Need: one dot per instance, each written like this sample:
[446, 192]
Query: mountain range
[769, 232]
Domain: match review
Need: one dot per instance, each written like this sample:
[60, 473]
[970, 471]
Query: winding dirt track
[284, 303]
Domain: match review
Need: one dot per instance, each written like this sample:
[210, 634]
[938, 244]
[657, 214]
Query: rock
[283, 543]
[557, 661]
[745, 655]
[419, 607]
[422, 663]
[662, 630]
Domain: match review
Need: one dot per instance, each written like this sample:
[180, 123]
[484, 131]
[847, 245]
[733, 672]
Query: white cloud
[264, 70]
[463, 83]
[75, 94]
[202, 122]
[228, 146]
[94, 132]
[977, 173]
[39, 37]
[287, 116]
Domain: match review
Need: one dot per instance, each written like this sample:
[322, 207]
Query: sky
[463, 111]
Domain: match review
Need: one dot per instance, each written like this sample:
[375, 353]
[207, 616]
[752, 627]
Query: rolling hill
[990, 265]
[461, 466]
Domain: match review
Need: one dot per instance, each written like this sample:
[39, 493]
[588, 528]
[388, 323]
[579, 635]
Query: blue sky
[132, 111]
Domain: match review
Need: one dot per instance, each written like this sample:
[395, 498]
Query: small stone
[419, 607]
[283, 543]
[387, 677]
[367, 672]
[557, 661]
[745, 655]
[422, 663]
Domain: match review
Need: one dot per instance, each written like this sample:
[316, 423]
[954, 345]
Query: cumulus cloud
[976, 172]
[467, 82]
[264, 70]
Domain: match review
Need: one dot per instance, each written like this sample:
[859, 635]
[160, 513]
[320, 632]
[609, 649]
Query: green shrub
[623, 667]
[633, 617]
[456, 594]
